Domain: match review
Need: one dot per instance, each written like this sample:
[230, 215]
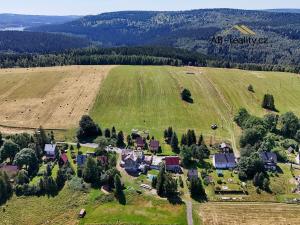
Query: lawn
[148, 98]
[139, 209]
[62, 209]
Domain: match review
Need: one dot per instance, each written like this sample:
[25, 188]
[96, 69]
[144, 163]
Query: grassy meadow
[148, 98]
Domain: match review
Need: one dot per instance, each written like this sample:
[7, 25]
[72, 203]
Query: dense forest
[145, 55]
[194, 30]
[37, 42]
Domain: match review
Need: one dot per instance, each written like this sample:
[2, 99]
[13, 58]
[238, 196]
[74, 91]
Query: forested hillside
[36, 42]
[15, 21]
[194, 30]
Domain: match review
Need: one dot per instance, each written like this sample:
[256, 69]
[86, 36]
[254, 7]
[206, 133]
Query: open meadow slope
[55, 97]
[147, 97]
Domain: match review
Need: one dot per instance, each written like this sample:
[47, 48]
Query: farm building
[224, 161]
[154, 145]
[172, 163]
[269, 159]
[50, 151]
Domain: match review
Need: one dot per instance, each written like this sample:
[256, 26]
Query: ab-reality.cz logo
[248, 37]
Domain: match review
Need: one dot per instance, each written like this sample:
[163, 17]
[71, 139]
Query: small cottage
[154, 145]
[139, 142]
[269, 159]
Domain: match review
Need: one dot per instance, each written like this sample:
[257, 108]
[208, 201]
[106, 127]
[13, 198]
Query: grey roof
[268, 157]
[224, 158]
[50, 148]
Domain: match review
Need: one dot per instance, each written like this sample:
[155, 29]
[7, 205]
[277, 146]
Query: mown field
[248, 213]
[148, 98]
[55, 97]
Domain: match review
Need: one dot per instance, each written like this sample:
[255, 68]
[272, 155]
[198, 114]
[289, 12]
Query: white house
[50, 150]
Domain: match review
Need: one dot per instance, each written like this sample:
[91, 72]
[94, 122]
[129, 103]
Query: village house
[139, 142]
[154, 145]
[172, 163]
[224, 161]
[50, 151]
[131, 160]
[192, 173]
[269, 159]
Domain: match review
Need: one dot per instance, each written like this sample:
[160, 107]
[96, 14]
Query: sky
[91, 7]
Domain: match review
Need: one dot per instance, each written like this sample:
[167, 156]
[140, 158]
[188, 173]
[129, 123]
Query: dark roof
[224, 158]
[268, 157]
[154, 144]
[172, 160]
[139, 141]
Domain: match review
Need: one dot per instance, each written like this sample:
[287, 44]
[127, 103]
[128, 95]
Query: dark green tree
[9, 150]
[174, 143]
[120, 140]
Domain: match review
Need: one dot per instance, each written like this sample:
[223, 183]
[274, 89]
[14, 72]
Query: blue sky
[84, 7]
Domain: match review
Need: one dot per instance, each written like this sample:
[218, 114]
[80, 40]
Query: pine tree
[201, 140]
[184, 140]
[160, 180]
[174, 143]
[120, 140]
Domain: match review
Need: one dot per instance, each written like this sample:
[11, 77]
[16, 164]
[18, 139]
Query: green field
[148, 98]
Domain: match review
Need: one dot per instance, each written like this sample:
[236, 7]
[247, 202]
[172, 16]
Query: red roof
[64, 158]
[172, 161]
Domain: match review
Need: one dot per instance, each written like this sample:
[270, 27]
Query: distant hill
[284, 10]
[36, 42]
[194, 30]
[20, 22]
